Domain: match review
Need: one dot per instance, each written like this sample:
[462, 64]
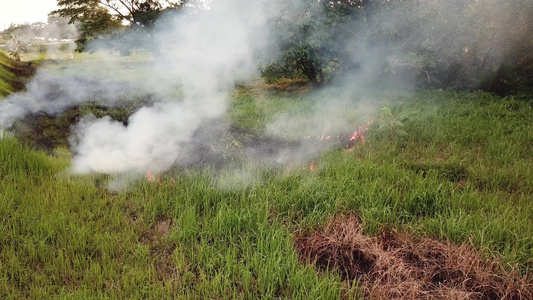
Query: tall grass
[462, 174]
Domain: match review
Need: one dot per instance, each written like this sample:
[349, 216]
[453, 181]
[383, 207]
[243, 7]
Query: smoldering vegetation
[179, 92]
[396, 265]
[52, 94]
[176, 99]
[203, 56]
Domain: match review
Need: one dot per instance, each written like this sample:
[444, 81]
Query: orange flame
[150, 176]
[359, 134]
[161, 181]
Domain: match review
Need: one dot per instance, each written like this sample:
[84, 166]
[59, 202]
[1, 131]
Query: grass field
[462, 172]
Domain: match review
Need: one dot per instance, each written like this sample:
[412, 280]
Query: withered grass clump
[396, 265]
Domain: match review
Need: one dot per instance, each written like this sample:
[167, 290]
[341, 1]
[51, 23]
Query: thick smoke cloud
[205, 54]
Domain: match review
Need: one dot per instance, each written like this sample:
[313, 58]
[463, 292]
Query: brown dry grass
[396, 265]
[161, 249]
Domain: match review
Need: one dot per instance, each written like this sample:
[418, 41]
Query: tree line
[20, 38]
[464, 44]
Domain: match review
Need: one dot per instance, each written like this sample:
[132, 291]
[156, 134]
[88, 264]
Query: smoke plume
[204, 53]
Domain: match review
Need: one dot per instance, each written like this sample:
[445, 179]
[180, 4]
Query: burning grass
[396, 265]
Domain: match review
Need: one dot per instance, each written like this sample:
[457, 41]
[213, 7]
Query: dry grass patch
[161, 249]
[396, 265]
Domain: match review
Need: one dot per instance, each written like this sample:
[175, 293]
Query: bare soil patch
[396, 265]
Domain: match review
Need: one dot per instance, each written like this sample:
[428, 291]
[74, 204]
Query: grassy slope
[12, 74]
[463, 173]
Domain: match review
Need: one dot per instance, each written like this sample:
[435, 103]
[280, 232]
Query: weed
[392, 121]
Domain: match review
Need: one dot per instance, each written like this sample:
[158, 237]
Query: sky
[24, 11]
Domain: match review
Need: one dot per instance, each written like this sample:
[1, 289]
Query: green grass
[463, 173]
[12, 74]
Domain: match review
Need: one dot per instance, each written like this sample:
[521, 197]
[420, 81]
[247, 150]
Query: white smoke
[53, 94]
[205, 53]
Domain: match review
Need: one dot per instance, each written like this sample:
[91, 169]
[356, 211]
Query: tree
[18, 37]
[134, 12]
[455, 43]
[310, 35]
[16, 45]
[507, 49]
[104, 18]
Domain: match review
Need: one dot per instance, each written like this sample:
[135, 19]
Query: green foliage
[310, 36]
[391, 122]
[103, 19]
[439, 44]
[458, 44]
[453, 171]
